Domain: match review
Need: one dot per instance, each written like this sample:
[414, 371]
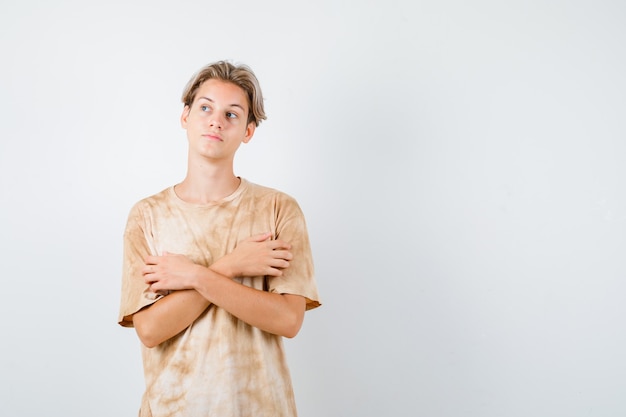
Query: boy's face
[216, 122]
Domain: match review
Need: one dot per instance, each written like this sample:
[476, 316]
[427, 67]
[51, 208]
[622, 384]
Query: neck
[207, 183]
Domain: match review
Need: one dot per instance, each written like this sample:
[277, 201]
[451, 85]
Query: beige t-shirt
[218, 366]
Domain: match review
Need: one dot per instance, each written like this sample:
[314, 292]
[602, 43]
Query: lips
[212, 136]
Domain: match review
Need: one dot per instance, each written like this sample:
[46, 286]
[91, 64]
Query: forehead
[222, 92]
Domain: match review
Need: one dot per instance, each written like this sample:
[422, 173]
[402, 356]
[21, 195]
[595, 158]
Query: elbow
[291, 333]
[148, 336]
[292, 325]
[149, 342]
[293, 316]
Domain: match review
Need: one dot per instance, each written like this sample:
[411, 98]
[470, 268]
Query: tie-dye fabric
[218, 366]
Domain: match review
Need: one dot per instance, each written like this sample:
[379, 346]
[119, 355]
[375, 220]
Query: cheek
[195, 119]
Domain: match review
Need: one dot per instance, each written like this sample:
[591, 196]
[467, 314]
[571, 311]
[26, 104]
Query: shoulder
[262, 192]
[282, 205]
[148, 204]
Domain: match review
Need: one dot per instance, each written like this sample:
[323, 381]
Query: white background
[460, 165]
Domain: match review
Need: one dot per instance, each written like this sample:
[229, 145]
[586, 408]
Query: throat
[206, 192]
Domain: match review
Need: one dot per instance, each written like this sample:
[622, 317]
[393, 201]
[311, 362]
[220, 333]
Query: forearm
[168, 316]
[256, 256]
[280, 314]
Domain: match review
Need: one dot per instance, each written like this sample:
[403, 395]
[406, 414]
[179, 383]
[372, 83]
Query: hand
[169, 272]
[254, 256]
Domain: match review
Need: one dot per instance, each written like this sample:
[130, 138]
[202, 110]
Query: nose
[216, 121]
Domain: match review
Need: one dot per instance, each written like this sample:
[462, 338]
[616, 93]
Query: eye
[231, 115]
[204, 107]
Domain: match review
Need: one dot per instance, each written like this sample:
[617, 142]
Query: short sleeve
[299, 278]
[135, 292]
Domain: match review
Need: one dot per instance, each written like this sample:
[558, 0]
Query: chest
[205, 235]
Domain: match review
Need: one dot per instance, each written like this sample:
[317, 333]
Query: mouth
[213, 137]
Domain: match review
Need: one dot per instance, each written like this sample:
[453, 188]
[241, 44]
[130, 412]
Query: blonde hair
[239, 75]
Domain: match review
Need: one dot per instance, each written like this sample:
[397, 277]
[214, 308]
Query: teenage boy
[217, 269]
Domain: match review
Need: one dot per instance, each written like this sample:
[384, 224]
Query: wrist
[198, 276]
[222, 268]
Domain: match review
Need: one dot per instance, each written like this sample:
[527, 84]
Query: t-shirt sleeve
[299, 278]
[135, 292]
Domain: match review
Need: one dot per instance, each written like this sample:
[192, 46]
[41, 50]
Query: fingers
[280, 263]
[148, 269]
[154, 287]
[282, 254]
[260, 237]
[273, 272]
[278, 244]
[151, 277]
[274, 244]
[277, 265]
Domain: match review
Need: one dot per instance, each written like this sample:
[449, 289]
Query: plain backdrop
[460, 166]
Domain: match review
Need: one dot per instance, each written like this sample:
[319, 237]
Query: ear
[249, 132]
[184, 116]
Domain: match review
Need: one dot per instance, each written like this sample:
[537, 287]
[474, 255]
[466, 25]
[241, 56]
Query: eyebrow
[231, 105]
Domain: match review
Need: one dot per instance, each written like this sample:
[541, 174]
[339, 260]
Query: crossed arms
[195, 287]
